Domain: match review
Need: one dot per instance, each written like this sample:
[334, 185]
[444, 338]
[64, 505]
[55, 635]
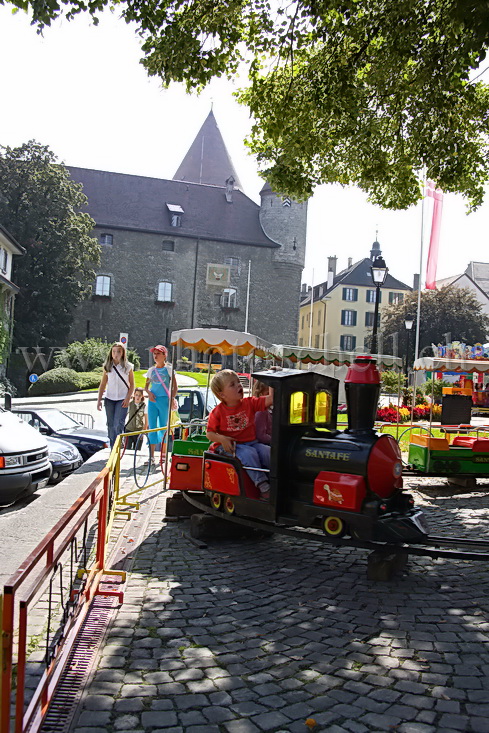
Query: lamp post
[408, 322]
[379, 272]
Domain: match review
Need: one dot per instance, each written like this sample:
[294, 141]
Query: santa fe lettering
[327, 454]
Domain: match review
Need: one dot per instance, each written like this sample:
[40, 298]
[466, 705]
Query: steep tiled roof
[121, 201]
[357, 275]
[207, 160]
[479, 273]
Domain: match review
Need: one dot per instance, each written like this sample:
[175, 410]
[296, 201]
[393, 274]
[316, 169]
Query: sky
[81, 90]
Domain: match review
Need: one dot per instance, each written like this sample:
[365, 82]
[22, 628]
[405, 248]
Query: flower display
[420, 412]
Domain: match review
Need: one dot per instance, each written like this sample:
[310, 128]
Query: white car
[24, 459]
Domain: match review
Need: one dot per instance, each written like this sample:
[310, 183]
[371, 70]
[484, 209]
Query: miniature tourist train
[349, 482]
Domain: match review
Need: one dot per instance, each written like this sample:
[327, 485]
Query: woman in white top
[118, 383]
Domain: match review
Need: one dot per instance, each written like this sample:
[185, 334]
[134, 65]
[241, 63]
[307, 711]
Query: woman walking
[118, 383]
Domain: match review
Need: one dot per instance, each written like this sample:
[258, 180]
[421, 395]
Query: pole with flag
[437, 195]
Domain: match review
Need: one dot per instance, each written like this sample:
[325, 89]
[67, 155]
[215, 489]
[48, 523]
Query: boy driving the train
[232, 425]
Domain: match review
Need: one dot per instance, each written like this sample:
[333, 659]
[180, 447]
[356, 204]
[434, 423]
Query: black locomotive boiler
[347, 482]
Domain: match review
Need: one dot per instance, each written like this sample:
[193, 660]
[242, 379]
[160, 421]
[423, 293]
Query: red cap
[159, 347]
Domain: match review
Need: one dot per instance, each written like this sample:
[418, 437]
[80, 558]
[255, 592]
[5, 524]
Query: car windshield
[57, 420]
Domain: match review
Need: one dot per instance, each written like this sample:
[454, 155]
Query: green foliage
[436, 389]
[360, 92]
[40, 207]
[7, 386]
[407, 397]
[448, 314]
[390, 380]
[83, 356]
[61, 379]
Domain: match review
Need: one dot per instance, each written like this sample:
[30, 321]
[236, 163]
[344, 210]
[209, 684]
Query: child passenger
[136, 417]
[263, 419]
[232, 424]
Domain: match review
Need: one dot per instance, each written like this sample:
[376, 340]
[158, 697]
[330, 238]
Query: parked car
[57, 424]
[64, 457]
[192, 403]
[24, 460]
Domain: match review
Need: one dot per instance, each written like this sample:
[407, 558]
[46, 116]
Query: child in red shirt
[232, 424]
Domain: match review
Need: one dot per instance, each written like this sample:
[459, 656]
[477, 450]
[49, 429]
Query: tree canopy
[449, 314]
[40, 206]
[365, 92]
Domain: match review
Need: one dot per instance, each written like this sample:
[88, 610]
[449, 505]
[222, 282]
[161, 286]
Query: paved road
[249, 636]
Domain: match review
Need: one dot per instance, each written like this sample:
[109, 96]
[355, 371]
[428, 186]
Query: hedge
[61, 379]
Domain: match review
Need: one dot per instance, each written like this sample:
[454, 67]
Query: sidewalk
[248, 636]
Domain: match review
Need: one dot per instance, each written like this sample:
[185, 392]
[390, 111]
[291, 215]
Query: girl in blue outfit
[161, 387]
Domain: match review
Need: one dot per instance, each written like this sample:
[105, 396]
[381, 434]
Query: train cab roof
[302, 398]
[297, 378]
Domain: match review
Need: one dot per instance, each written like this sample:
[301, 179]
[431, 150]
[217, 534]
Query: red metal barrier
[50, 550]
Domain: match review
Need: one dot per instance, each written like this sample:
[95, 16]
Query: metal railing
[38, 576]
[84, 418]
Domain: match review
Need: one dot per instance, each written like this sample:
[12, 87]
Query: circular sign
[124, 340]
[33, 378]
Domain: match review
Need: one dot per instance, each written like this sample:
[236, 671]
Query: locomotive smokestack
[362, 386]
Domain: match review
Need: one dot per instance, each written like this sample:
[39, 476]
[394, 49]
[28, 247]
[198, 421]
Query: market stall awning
[222, 341]
[438, 364]
[306, 355]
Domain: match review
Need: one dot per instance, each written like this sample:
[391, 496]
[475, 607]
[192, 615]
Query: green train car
[464, 456]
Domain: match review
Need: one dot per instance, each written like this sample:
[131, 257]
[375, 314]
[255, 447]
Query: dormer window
[175, 211]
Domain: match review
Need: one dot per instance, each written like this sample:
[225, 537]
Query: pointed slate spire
[207, 160]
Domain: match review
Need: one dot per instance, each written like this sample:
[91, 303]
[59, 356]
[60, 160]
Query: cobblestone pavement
[265, 635]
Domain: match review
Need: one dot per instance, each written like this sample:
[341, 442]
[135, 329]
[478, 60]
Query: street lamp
[408, 322]
[379, 272]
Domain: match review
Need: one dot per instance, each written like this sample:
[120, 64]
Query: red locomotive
[347, 482]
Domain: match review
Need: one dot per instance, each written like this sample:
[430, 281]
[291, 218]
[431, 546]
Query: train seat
[481, 445]
[463, 441]
[250, 490]
[478, 445]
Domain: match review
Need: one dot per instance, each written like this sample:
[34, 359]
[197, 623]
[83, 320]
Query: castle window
[316, 342]
[234, 264]
[165, 292]
[102, 286]
[107, 239]
[168, 245]
[229, 298]
[3, 260]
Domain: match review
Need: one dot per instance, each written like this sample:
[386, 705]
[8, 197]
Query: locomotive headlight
[397, 469]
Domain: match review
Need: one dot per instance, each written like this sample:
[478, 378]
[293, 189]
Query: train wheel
[228, 505]
[216, 501]
[333, 527]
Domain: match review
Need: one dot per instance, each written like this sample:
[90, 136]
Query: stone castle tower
[193, 251]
